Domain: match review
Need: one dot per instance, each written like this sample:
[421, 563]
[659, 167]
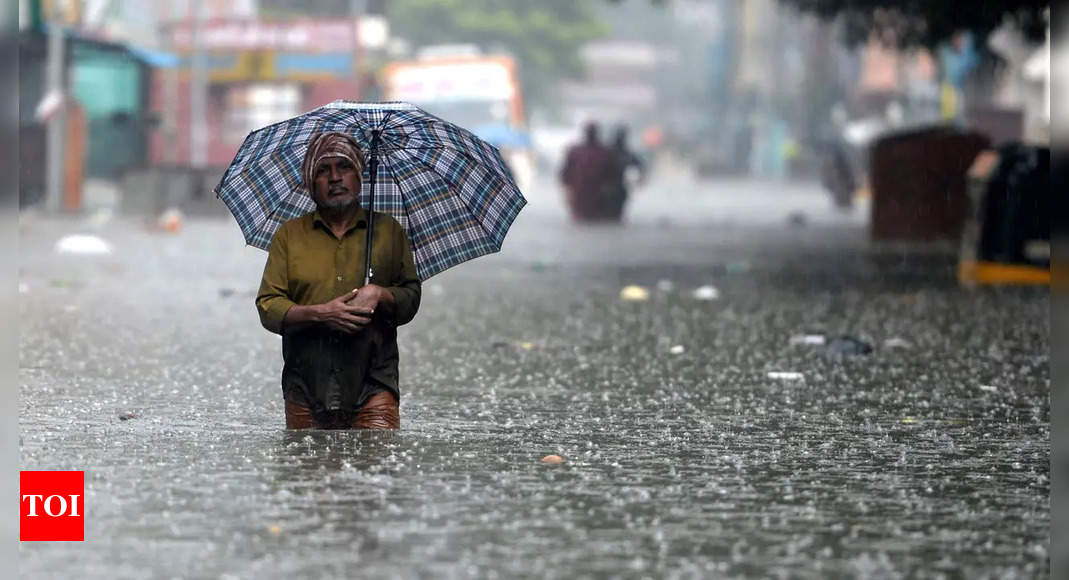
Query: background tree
[544, 36]
[927, 22]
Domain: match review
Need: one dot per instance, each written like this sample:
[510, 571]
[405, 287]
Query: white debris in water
[988, 388]
[897, 343]
[82, 244]
[706, 293]
[677, 349]
[634, 294]
[809, 339]
[786, 376]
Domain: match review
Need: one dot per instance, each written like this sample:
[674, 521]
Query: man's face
[337, 183]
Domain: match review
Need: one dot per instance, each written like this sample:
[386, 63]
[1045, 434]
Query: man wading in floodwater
[339, 342]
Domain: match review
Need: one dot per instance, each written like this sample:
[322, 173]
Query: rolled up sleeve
[272, 300]
[406, 289]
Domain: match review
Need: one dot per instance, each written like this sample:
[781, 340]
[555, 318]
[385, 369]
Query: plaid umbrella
[449, 190]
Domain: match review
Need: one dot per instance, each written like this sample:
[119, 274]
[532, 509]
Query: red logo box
[51, 506]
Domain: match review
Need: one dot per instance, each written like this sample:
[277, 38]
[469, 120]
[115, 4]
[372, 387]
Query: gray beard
[338, 207]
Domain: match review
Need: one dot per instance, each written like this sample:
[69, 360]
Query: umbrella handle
[372, 169]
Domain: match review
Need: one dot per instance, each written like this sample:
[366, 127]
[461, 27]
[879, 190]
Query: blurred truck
[480, 93]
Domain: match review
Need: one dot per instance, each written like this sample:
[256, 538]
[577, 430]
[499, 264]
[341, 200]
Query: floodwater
[927, 458]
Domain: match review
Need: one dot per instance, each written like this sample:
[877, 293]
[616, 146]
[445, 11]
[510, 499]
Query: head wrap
[330, 144]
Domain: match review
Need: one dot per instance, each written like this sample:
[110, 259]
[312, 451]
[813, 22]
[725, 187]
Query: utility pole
[171, 92]
[57, 123]
[198, 138]
[356, 12]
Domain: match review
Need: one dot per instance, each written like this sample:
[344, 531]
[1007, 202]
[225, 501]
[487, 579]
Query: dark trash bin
[918, 183]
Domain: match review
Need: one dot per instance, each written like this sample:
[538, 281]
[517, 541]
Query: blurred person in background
[339, 342]
[588, 175]
[628, 168]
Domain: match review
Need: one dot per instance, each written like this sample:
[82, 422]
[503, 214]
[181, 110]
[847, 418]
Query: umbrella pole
[372, 170]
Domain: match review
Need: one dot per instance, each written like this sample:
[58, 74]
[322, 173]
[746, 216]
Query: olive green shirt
[327, 370]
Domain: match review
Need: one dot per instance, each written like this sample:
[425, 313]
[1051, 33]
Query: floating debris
[82, 244]
[737, 267]
[892, 343]
[275, 530]
[808, 339]
[128, 416]
[634, 294]
[847, 346]
[797, 219]
[677, 349]
[553, 459]
[916, 421]
[786, 376]
[170, 221]
[988, 388]
[527, 345]
[706, 293]
[231, 292]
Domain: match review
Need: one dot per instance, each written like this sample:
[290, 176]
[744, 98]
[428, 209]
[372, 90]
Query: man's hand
[345, 313]
[367, 297]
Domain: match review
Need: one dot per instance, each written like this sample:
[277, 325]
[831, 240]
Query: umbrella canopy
[451, 191]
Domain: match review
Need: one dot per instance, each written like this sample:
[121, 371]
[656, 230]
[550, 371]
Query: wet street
[698, 439]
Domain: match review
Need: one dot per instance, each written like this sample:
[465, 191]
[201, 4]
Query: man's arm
[338, 314]
[408, 290]
[272, 300]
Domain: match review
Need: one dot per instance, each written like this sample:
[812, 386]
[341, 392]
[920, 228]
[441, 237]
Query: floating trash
[951, 422]
[706, 293]
[786, 376]
[988, 388]
[527, 345]
[553, 459]
[128, 416]
[737, 267]
[677, 349]
[797, 219]
[170, 221]
[634, 294]
[892, 343]
[275, 530]
[82, 244]
[847, 346]
[808, 339]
